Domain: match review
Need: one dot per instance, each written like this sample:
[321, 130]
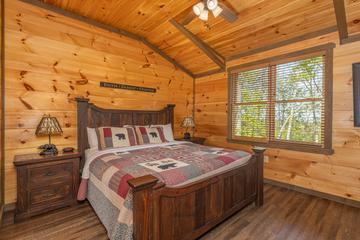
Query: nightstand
[197, 140]
[45, 183]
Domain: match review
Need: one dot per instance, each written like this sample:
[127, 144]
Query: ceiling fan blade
[188, 18]
[227, 13]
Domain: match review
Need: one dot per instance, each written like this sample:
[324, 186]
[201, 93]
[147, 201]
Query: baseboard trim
[315, 193]
[1, 213]
[9, 207]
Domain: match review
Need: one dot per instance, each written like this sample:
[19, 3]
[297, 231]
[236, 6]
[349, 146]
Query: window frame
[327, 51]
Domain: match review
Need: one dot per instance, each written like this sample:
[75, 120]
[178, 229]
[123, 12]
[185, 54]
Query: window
[283, 102]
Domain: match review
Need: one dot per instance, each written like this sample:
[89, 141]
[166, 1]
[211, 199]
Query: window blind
[299, 103]
[280, 102]
[250, 104]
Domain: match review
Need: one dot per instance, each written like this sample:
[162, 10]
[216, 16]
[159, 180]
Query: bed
[208, 185]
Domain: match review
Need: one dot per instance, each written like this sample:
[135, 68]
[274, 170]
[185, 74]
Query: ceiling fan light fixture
[217, 11]
[198, 8]
[204, 15]
[212, 4]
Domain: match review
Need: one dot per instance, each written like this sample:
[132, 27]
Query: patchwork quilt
[110, 195]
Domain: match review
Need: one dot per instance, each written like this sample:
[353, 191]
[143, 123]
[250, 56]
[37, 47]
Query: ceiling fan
[202, 9]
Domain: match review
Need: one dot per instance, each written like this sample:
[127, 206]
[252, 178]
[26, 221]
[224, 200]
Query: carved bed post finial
[82, 123]
[170, 114]
[259, 154]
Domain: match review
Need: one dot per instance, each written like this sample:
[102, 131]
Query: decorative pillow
[92, 138]
[169, 136]
[149, 135]
[112, 137]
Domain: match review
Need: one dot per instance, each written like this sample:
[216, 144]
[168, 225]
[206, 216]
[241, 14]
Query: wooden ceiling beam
[340, 13]
[58, 10]
[210, 52]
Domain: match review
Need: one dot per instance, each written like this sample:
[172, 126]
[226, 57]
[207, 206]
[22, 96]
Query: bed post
[142, 188]
[259, 154]
[170, 114]
[82, 123]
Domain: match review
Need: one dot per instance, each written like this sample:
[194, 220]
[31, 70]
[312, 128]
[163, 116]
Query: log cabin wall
[51, 59]
[2, 175]
[338, 174]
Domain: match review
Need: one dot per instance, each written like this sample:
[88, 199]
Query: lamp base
[48, 149]
[187, 136]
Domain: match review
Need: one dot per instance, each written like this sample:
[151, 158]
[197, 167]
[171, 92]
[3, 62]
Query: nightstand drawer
[51, 195]
[52, 174]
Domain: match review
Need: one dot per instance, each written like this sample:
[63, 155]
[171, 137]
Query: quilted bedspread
[172, 164]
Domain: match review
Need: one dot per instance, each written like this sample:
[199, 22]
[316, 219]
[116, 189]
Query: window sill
[288, 146]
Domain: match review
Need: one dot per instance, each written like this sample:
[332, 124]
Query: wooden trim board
[315, 193]
[9, 207]
[109, 28]
[351, 39]
[340, 13]
[211, 72]
[287, 55]
[210, 52]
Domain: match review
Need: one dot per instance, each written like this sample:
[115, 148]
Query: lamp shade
[48, 126]
[188, 122]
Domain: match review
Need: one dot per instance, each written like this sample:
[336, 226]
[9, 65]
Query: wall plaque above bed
[127, 87]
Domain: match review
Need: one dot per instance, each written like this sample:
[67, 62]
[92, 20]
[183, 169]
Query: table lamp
[48, 126]
[187, 123]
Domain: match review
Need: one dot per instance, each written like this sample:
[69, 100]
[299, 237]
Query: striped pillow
[149, 135]
[113, 137]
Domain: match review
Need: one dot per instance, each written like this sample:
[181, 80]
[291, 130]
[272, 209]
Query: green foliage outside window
[296, 106]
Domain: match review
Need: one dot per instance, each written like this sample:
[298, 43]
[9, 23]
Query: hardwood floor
[285, 215]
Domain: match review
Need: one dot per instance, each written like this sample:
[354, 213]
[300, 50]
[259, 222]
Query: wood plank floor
[285, 215]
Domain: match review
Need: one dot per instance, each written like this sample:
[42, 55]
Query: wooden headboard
[89, 115]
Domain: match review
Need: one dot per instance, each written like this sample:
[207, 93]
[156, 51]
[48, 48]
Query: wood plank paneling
[260, 23]
[51, 59]
[337, 174]
[352, 8]
[2, 65]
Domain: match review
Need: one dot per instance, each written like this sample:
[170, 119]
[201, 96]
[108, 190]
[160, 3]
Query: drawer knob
[49, 174]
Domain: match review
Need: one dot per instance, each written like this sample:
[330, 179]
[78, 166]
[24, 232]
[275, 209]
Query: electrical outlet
[266, 159]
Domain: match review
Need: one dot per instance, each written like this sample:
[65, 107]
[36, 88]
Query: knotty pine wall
[338, 174]
[51, 59]
[1, 109]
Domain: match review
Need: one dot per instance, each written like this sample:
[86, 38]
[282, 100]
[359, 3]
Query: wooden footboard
[189, 211]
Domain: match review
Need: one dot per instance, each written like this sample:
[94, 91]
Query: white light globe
[198, 8]
[217, 11]
[204, 15]
[212, 4]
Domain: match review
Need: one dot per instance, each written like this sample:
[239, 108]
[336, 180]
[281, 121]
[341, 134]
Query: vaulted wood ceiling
[260, 23]
[353, 16]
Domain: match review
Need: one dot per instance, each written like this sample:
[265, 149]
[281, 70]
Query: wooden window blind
[283, 102]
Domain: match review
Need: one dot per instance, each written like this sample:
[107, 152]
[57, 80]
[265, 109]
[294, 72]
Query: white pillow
[92, 138]
[168, 133]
